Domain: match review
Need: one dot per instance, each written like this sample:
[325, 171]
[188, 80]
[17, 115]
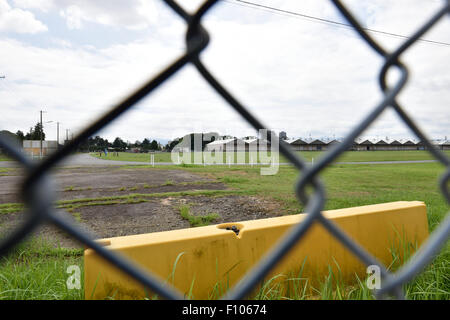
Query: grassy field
[356, 185]
[38, 272]
[248, 157]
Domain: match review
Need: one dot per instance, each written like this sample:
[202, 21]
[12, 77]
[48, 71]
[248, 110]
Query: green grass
[7, 208]
[73, 188]
[139, 157]
[357, 185]
[248, 157]
[346, 186]
[168, 183]
[7, 171]
[197, 221]
[37, 271]
[432, 284]
[3, 157]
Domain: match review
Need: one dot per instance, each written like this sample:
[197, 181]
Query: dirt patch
[160, 214]
[92, 182]
[234, 208]
[147, 214]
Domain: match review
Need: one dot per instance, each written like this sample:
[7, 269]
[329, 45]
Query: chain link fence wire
[38, 193]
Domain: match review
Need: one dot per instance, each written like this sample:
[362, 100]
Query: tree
[119, 144]
[146, 144]
[154, 145]
[38, 130]
[35, 133]
[169, 146]
[29, 134]
[20, 135]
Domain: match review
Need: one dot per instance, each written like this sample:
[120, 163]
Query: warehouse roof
[317, 141]
[298, 141]
[224, 141]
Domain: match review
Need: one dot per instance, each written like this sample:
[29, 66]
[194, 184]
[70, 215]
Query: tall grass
[36, 270]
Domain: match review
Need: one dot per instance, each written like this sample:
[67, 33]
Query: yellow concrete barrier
[205, 260]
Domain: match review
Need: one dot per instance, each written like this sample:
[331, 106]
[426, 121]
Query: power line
[323, 20]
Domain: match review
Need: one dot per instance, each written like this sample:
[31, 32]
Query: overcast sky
[75, 59]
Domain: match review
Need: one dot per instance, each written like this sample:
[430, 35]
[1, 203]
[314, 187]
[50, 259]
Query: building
[33, 147]
[444, 145]
[381, 145]
[395, 145]
[420, 145]
[299, 145]
[332, 143]
[11, 138]
[195, 142]
[317, 145]
[366, 145]
[257, 144]
[225, 145]
[409, 145]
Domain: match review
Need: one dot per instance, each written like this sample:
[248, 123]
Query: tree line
[34, 134]
[97, 143]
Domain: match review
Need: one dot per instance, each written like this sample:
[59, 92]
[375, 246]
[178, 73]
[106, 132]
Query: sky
[77, 59]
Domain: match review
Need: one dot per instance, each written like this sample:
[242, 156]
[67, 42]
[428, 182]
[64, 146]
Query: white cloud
[43, 5]
[295, 75]
[73, 16]
[133, 14]
[18, 20]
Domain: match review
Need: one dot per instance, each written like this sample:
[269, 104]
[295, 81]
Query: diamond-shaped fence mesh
[38, 195]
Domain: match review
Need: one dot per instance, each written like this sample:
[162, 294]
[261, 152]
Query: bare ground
[155, 214]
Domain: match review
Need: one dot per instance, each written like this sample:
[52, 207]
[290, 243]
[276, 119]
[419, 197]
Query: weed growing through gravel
[197, 221]
[168, 183]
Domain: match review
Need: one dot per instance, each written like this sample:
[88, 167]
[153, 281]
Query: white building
[33, 147]
[224, 145]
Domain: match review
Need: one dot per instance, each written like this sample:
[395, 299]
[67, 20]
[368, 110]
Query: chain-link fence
[38, 194]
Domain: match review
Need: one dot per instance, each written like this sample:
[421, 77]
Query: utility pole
[57, 135]
[67, 135]
[41, 133]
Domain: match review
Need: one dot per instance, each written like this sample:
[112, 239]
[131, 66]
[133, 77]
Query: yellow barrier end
[219, 255]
